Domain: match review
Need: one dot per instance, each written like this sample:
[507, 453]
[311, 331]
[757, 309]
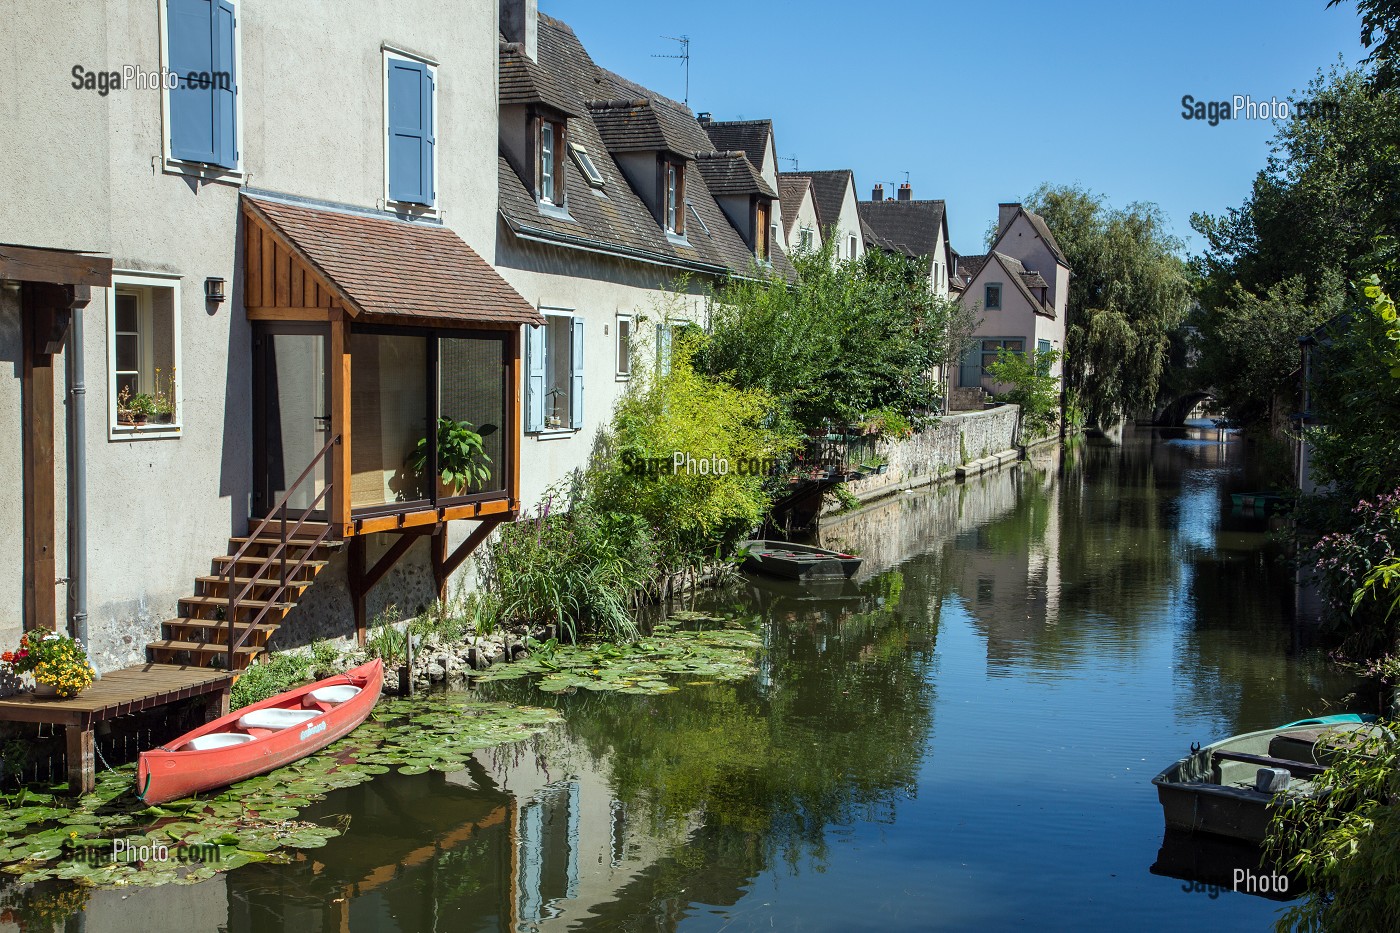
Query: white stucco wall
[598, 289]
[311, 89]
[806, 217]
[848, 224]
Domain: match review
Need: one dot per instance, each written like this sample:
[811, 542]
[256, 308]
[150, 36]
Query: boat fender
[1272, 780]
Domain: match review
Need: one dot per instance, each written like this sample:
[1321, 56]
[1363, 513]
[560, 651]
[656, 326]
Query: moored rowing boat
[261, 737]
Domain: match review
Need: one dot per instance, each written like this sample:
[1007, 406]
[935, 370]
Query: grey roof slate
[617, 219]
[792, 188]
[731, 173]
[908, 227]
[828, 192]
[633, 125]
[524, 82]
[749, 136]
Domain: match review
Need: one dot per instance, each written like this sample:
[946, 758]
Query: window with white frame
[674, 196]
[554, 374]
[143, 355]
[804, 238]
[624, 345]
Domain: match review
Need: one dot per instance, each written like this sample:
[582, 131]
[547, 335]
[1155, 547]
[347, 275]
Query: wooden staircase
[200, 636]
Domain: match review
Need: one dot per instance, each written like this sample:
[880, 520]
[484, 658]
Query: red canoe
[261, 737]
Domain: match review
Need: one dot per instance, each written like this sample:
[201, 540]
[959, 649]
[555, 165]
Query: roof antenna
[685, 59]
[792, 159]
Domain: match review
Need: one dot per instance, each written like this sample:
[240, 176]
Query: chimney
[520, 22]
[906, 193]
[878, 194]
[703, 118]
[1004, 214]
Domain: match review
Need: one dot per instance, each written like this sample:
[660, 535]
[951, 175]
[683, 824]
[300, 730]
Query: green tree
[1247, 347]
[1380, 33]
[1128, 292]
[1032, 387]
[848, 339]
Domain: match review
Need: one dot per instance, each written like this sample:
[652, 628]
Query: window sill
[412, 210]
[204, 171]
[549, 209]
[553, 434]
[623, 377]
[142, 432]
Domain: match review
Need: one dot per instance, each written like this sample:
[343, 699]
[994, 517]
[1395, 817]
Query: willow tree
[1129, 290]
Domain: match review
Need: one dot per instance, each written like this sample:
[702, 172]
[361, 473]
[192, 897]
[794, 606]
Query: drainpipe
[77, 482]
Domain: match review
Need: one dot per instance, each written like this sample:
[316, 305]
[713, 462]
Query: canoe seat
[218, 740]
[330, 696]
[276, 719]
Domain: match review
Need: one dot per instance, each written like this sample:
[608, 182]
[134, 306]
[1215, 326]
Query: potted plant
[461, 458]
[142, 406]
[58, 662]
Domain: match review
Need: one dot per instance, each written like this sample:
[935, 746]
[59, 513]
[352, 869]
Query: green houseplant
[461, 458]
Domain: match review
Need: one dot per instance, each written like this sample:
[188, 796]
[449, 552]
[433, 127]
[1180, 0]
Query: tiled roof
[731, 173]
[1042, 229]
[617, 219]
[908, 227]
[633, 125]
[829, 192]
[969, 266]
[524, 82]
[792, 189]
[393, 268]
[749, 136]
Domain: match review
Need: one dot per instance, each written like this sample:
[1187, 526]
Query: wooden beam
[340, 364]
[454, 560]
[515, 426]
[355, 575]
[390, 558]
[28, 264]
[37, 430]
[439, 551]
[291, 313]
[81, 766]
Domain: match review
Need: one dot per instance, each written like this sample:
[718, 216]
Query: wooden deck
[117, 693]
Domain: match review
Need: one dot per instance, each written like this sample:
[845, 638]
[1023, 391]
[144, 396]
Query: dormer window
[673, 207]
[552, 162]
[762, 232]
[585, 165]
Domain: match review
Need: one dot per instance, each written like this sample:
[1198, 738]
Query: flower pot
[139, 418]
[45, 690]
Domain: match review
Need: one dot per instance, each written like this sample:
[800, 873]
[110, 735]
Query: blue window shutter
[190, 39]
[429, 140]
[970, 373]
[225, 86]
[410, 132]
[534, 378]
[576, 375]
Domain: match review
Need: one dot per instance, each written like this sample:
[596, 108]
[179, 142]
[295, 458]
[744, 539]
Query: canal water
[961, 739]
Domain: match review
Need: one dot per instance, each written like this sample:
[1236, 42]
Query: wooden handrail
[278, 554]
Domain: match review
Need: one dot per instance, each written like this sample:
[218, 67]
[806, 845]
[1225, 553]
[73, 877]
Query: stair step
[265, 580]
[218, 627]
[301, 542]
[247, 560]
[204, 647]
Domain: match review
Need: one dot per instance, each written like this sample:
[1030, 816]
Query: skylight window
[585, 165]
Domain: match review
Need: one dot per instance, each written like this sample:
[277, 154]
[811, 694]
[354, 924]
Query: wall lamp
[214, 289]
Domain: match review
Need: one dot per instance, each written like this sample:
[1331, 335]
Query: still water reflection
[962, 739]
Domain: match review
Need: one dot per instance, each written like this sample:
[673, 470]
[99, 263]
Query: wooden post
[81, 766]
[515, 429]
[340, 506]
[217, 704]
[40, 303]
[355, 579]
[439, 549]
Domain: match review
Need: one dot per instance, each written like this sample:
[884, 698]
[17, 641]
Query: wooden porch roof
[375, 268]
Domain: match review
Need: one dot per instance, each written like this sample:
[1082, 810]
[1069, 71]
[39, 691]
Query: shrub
[278, 674]
[1032, 387]
[1346, 561]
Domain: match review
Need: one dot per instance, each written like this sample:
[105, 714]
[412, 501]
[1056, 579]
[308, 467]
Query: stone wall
[932, 455]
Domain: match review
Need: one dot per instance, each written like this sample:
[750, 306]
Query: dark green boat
[797, 561]
[1218, 789]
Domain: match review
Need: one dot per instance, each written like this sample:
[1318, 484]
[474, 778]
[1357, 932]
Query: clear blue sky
[980, 103]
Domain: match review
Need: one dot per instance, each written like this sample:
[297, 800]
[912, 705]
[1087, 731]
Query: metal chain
[97, 747]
